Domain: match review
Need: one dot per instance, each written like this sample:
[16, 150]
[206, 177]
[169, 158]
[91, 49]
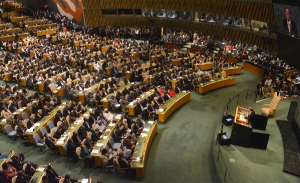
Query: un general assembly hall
[154, 91]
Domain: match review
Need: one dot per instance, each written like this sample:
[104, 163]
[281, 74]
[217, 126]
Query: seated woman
[84, 153]
[122, 161]
[266, 91]
[106, 158]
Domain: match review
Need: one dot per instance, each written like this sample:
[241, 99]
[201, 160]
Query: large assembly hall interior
[164, 91]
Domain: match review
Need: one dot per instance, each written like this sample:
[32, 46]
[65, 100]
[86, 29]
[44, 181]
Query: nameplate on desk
[136, 158]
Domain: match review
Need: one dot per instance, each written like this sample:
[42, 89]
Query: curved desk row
[171, 105]
[253, 69]
[204, 66]
[109, 132]
[132, 106]
[233, 70]
[42, 123]
[217, 83]
[141, 150]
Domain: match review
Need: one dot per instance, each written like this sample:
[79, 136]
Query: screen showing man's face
[287, 14]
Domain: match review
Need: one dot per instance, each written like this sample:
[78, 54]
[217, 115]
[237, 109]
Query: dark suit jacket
[57, 134]
[293, 28]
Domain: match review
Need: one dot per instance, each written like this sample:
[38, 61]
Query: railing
[248, 94]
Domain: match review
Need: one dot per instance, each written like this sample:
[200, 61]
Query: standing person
[251, 115]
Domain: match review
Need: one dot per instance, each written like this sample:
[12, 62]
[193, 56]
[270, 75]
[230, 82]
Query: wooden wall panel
[255, 11]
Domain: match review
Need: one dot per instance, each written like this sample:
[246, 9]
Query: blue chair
[44, 131]
[25, 116]
[10, 132]
[50, 125]
[38, 141]
[114, 145]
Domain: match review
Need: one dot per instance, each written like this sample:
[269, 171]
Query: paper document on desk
[61, 141]
[107, 130]
[84, 180]
[29, 130]
[131, 103]
[99, 144]
[143, 134]
[118, 116]
[136, 158]
[85, 115]
[104, 137]
[151, 122]
[95, 151]
[40, 169]
[111, 124]
[146, 129]
[160, 110]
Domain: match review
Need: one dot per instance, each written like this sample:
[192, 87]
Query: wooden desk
[43, 123]
[108, 71]
[7, 77]
[104, 49]
[7, 159]
[195, 50]
[141, 150]
[7, 38]
[174, 83]
[137, 55]
[63, 140]
[132, 107]
[173, 104]
[253, 69]
[38, 175]
[60, 91]
[41, 86]
[45, 32]
[15, 19]
[96, 152]
[156, 58]
[204, 66]
[233, 71]
[173, 46]
[23, 81]
[128, 75]
[8, 14]
[77, 43]
[216, 83]
[120, 51]
[176, 62]
[105, 101]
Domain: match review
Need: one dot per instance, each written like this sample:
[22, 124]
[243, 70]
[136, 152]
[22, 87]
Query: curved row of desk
[215, 84]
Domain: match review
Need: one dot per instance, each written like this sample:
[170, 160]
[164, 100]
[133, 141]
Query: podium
[242, 134]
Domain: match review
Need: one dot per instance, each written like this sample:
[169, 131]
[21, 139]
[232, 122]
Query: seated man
[50, 142]
[58, 132]
[21, 130]
[69, 180]
[108, 115]
[29, 170]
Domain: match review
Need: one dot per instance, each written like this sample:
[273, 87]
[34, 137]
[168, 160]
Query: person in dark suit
[71, 150]
[21, 130]
[58, 117]
[29, 170]
[96, 135]
[288, 25]
[22, 177]
[251, 115]
[50, 142]
[76, 139]
[58, 132]
[69, 180]
[51, 174]
[177, 90]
